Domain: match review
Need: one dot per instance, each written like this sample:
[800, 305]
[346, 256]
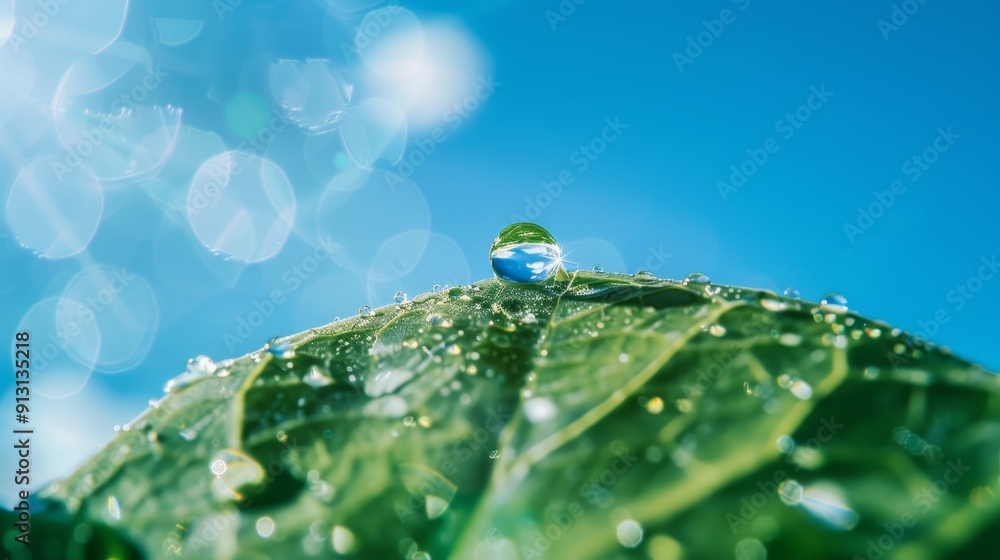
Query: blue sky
[867, 154]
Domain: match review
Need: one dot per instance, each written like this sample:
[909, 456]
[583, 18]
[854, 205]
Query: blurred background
[193, 178]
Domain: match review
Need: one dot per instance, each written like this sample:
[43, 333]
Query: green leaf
[606, 416]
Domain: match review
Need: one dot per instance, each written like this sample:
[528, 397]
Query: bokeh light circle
[124, 308]
[241, 205]
[63, 352]
[54, 209]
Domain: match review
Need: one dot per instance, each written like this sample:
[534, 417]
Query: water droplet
[529, 318]
[791, 293]
[525, 252]
[265, 527]
[494, 454]
[716, 329]
[598, 268]
[834, 303]
[696, 278]
[434, 319]
[712, 291]
[343, 540]
[279, 348]
[654, 405]
[420, 555]
[786, 444]
[622, 358]
[775, 305]
[539, 409]
[790, 492]
[202, 365]
[233, 471]
[435, 506]
[114, 508]
[399, 297]
[801, 389]
[315, 378]
[629, 533]
[645, 275]
[387, 381]
[365, 311]
[117, 428]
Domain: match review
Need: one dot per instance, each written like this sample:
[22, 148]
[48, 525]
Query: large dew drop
[525, 252]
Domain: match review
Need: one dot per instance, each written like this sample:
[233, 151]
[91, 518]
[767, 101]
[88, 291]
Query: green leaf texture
[607, 416]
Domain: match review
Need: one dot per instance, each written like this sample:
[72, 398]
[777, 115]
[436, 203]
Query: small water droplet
[387, 381]
[786, 444]
[622, 358]
[598, 268]
[645, 275]
[712, 291]
[791, 293]
[279, 348]
[716, 329]
[801, 389]
[117, 428]
[365, 311]
[629, 533]
[834, 303]
[114, 509]
[775, 305]
[790, 492]
[654, 405]
[525, 252]
[494, 454]
[696, 278]
[265, 527]
[315, 378]
[539, 409]
[343, 540]
[218, 467]
[399, 297]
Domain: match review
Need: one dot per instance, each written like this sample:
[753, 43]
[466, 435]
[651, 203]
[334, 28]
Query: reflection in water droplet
[399, 296]
[494, 454]
[792, 293]
[525, 252]
[598, 268]
[365, 311]
[629, 533]
[786, 444]
[834, 303]
[696, 278]
[645, 275]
